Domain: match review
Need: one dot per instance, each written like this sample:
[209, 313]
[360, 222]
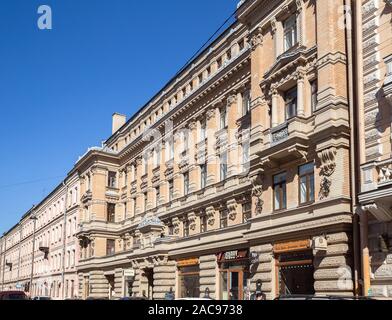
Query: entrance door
[148, 276]
[233, 284]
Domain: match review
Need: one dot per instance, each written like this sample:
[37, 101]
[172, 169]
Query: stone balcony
[287, 141]
[376, 189]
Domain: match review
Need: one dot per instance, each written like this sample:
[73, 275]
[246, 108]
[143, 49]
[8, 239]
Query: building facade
[236, 176]
[240, 176]
[40, 254]
[375, 91]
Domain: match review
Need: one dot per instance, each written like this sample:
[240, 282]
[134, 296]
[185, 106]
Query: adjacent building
[240, 176]
[374, 45]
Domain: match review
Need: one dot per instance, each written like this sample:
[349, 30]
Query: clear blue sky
[59, 88]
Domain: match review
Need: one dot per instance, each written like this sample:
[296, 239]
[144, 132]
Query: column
[275, 106]
[300, 94]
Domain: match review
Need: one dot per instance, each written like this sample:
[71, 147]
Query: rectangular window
[145, 201]
[186, 183]
[306, 183]
[290, 32]
[110, 247]
[223, 218]
[171, 190]
[203, 223]
[203, 127]
[111, 212]
[203, 176]
[157, 196]
[291, 103]
[223, 118]
[186, 228]
[245, 156]
[223, 166]
[112, 182]
[280, 195]
[246, 101]
[247, 211]
[314, 89]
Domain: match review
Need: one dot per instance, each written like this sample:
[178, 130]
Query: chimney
[118, 121]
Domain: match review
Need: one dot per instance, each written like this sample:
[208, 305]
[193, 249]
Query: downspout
[64, 240]
[353, 146]
[363, 215]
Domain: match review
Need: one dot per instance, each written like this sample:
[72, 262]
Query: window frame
[282, 184]
[290, 96]
[290, 32]
[308, 175]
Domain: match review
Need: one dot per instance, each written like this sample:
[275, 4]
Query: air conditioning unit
[320, 244]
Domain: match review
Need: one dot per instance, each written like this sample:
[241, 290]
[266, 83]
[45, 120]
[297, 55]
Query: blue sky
[59, 88]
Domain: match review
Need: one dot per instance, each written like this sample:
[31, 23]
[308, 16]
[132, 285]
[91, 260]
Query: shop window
[111, 213]
[290, 32]
[296, 273]
[290, 98]
[112, 181]
[110, 247]
[280, 194]
[306, 183]
[189, 281]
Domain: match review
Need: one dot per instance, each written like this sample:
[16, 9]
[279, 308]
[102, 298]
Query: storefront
[234, 274]
[295, 268]
[189, 278]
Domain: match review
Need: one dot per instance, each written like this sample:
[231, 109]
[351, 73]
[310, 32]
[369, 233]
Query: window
[291, 103]
[203, 130]
[203, 222]
[186, 183]
[111, 213]
[170, 150]
[157, 196]
[223, 118]
[186, 228]
[110, 247]
[145, 165]
[186, 140]
[280, 196]
[306, 183]
[246, 101]
[203, 176]
[157, 157]
[223, 166]
[290, 32]
[171, 190]
[112, 179]
[145, 201]
[314, 89]
[134, 207]
[223, 218]
[245, 156]
[247, 211]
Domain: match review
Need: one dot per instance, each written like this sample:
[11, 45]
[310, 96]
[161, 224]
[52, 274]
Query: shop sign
[129, 273]
[233, 255]
[292, 246]
[188, 262]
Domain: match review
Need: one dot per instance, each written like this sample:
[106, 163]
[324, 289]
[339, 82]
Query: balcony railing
[279, 134]
[384, 170]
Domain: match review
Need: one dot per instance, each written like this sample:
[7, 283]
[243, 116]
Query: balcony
[376, 196]
[288, 141]
[44, 247]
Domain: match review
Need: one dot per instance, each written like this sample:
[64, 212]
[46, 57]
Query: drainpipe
[365, 263]
[64, 240]
[353, 145]
[20, 253]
